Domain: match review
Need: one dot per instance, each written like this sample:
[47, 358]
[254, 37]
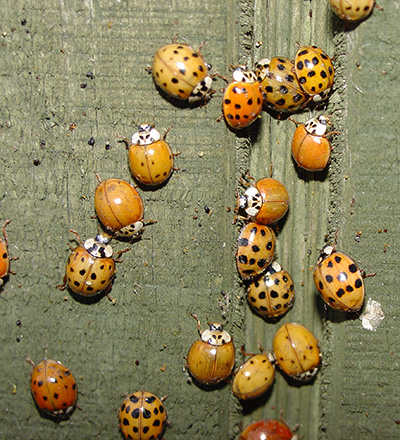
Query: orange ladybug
[267, 429]
[256, 250]
[242, 100]
[54, 388]
[211, 358]
[296, 351]
[119, 207]
[5, 257]
[142, 416]
[90, 268]
[151, 160]
[311, 148]
[266, 202]
[254, 377]
[339, 280]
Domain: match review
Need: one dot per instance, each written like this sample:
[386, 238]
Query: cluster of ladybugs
[283, 86]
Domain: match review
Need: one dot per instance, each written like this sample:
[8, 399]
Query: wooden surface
[185, 262]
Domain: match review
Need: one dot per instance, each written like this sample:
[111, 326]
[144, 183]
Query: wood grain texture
[83, 63]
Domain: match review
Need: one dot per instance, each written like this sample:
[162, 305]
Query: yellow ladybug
[339, 280]
[314, 71]
[211, 358]
[142, 416]
[279, 85]
[151, 160]
[256, 250]
[254, 377]
[352, 10]
[181, 72]
[271, 294]
[296, 351]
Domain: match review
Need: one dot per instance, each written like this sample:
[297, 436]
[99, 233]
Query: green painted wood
[185, 262]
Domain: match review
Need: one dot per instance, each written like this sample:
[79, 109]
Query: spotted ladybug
[352, 10]
[256, 250]
[90, 268]
[5, 257]
[280, 86]
[211, 358]
[119, 207]
[266, 202]
[311, 148]
[181, 72]
[314, 71]
[151, 160]
[271, 294]
[254, 377]
[296, 351]
[242, 100]
[267, 429]
[54, 388]
[339, 280]
[142, 416]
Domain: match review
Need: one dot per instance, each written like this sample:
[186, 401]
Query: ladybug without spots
[339, 280]
[352, 10]
[267, 429]
[279, 85]
[90, 268]
[211, 358]
[271, 294]
[311, 148]
[119, 207]
[296, 351]
[142, 416]
[181, 72]
[315, 72]
[256, 250]
[242, 100]
[254, 377]
[151, 160]
[54, 388]
[266, 202]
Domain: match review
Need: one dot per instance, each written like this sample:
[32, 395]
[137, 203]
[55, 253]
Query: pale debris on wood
[372, 316]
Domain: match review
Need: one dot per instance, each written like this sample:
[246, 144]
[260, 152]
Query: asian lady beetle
[256, 250]
[296, 351]
[5, 257]
[254, 377]
[279, 85]
[142, 416]
[54, 388]
[267, 429]
[119, 207]
[242, 101]
[339, 280]
[314, 71]
[266, 202]
[311, 148]
[210, 359]
[352, 10]
[271, 294]
[151, 160]
[90, 268]
[181, 72]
